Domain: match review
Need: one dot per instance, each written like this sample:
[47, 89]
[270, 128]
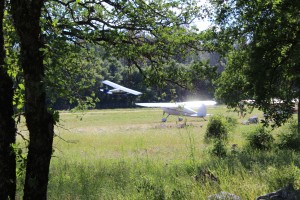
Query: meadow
[130, 154]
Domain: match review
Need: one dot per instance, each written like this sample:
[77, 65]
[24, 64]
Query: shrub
[219, 148]
[290, 137]
[260, 138]
[231, 122]
[217, 128]
[151, 188]
[283, 176]
[178, 194]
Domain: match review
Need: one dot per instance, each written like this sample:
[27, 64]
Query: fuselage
[181, 111]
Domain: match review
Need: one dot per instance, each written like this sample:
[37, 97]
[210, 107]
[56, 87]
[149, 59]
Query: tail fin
[201, 111]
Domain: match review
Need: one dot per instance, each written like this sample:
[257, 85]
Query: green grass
[129, 154]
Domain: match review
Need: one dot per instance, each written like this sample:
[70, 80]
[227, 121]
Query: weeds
[260, 139]
[121, 156]
[289, 138]
[219, 148]
[283, 176]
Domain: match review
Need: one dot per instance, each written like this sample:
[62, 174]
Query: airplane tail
[106, 91]
[201, 111]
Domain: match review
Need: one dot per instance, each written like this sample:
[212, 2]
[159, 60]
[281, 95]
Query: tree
[7, 123]
[232, 86]
[143, 33]
[151, 31]
[40, 123]
[77, 82]
[269, 38]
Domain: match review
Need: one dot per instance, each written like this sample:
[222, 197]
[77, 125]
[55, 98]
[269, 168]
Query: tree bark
[7, 124]
[26, 16]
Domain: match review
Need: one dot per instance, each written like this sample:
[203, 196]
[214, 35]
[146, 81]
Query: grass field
[130, 154]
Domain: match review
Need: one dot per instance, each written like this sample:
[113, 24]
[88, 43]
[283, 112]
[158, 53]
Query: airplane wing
[119, 88]
[198, 103]
[158, 105]
[191, 104]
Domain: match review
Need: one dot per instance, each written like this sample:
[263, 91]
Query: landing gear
[164, 119]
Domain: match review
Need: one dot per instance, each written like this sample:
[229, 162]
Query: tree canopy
[143, 33]
[265, 35]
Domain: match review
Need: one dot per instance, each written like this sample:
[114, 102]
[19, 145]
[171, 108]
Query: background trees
[124, 41]
[266, 33]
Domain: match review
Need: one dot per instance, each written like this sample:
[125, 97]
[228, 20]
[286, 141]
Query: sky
[202, 24]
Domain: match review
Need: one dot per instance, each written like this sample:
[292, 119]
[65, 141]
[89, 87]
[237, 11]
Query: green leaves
[233, 86]
[260, 42]
[144, 33]
[72, 73]
[21, 159]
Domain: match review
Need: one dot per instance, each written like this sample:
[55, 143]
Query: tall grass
[128, 154]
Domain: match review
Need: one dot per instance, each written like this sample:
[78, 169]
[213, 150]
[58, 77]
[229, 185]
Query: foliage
[219, 148]
[21, 159]
[231, 122]
[232, 86]
[151, 49]
[289, 138]
[283, 176]
[12, 63]
[267, 39]
[201, 75]
[260, 138]
[131, 30]
[217, 127]
[151, 189]
[76, 82]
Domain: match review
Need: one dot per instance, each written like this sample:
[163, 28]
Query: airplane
[181, 108]
[118, 89]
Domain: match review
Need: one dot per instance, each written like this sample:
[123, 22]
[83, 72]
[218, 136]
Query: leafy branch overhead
[144, 33]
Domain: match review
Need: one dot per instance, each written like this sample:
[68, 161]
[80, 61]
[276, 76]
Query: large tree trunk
[26, 15]
[7, 125]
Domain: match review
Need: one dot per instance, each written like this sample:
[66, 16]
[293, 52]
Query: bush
[219, 148]
[290, 138]
[151, 188]
[283, 176]
[217, 128]
[231, 122]
[261, 139]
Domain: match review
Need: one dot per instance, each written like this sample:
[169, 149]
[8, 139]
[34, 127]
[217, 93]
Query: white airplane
[118, 89]
[181, 108]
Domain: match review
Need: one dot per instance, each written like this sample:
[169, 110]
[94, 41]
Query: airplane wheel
[163, 119]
